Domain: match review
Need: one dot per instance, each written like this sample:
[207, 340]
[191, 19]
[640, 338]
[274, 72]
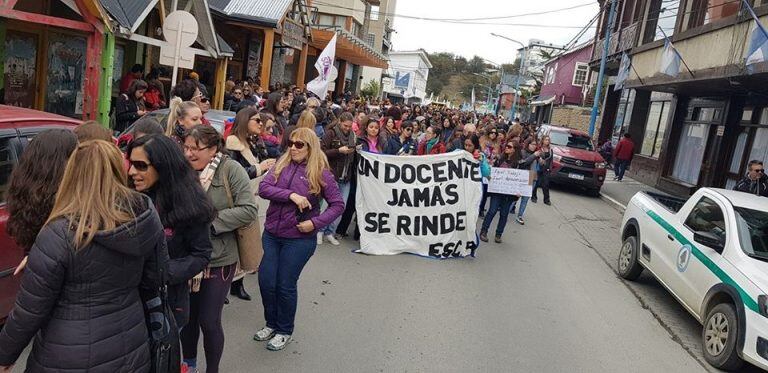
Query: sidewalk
[618, 193]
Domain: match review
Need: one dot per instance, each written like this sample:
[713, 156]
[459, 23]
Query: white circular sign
[180, 23]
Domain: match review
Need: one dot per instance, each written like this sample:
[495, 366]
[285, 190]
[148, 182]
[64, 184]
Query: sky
[475, 39]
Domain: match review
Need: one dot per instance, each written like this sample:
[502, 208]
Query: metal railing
[625, 39]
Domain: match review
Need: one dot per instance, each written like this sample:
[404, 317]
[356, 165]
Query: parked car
[575, 161]
[218, 119]
[17, 127]
[711, 253]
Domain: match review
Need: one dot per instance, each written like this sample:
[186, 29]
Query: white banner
[423, 205]
[511, 181]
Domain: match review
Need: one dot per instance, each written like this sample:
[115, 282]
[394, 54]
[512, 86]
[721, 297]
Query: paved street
[545, 300]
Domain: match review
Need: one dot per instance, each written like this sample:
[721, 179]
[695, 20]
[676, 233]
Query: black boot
[237, 289]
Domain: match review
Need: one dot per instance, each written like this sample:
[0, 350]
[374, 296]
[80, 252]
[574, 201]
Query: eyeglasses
[140, 165]
[195, 150]
[296, 144]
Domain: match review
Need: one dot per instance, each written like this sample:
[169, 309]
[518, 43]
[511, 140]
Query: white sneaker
[264, 334]
[330, 238]
[319, 238]
[278, 342]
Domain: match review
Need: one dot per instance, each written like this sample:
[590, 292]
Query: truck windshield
[571, 141]
[753, 231]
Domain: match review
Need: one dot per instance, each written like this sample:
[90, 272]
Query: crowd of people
[162, 215]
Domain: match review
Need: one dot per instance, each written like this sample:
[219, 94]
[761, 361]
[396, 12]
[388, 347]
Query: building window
[702, 12]
[371, 40]
[375, 13]
[580, 74]
[662, 14]
[690, 152]
[655, 126]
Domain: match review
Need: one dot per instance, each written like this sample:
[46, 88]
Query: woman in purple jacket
[294, 187]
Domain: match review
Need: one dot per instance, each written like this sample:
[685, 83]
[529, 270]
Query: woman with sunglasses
[294, 188]
[501, 203]
[159, 170]
[247, 148]
[227, 185]
[403, 144]
[183, 116]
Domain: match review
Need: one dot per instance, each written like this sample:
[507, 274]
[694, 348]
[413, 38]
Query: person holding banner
[294, 187]
[373, 141]
[432, 143]
[528, 159]
[472, 146]
[501, 203]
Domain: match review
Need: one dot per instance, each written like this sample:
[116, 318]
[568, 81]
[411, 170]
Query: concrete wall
[575, 117]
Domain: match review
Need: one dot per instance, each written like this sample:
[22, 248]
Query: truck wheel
[594, 192]
[629, 265]
[721, 329]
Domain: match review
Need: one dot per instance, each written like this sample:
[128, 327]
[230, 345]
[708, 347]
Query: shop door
[695, 159]
[20, 70]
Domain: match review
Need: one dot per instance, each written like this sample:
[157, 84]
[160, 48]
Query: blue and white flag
[473, 98]
[670, 60]
[758, 43]
[626, 64]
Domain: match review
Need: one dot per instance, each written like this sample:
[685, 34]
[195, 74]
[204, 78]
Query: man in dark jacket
[623, 154]
[339, 146]
[755, 182]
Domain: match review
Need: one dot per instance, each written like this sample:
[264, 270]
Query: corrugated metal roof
[262, 11]
[126, 12]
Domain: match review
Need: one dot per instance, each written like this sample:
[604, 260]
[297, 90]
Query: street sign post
[180, 30]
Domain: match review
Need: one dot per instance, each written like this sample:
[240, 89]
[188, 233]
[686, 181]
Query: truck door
[10, 253]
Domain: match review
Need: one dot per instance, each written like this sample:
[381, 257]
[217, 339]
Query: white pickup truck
[711, 253]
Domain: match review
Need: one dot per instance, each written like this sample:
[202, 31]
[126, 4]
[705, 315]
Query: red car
[575, 161]
[17, 127]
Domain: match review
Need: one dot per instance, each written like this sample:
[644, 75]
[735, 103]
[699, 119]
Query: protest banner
[424, 205]
[511, 181]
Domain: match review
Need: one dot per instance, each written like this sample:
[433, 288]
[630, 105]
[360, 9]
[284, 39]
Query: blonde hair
[178, 110]
[307, 120]
[316, 160]
[93, 195]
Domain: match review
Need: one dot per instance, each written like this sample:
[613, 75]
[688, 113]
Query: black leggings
[349, 210]
[205, 309]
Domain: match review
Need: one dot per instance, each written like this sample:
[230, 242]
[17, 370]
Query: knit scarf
[206, 175]
[430, 144]
[179, 130]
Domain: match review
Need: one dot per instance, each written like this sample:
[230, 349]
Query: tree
[371, 89]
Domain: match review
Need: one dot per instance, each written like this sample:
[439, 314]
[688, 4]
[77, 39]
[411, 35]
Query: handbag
[164, 345]
[249, 246]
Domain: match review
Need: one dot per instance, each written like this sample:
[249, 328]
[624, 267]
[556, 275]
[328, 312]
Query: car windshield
[753, 231]
[571, 141]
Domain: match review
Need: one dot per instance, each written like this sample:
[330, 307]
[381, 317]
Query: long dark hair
[272, 101]
[34, 183]
[178, 195]
[240, 130]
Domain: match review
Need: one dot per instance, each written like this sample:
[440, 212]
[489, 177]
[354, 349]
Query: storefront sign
[423, 205]
[293, 34]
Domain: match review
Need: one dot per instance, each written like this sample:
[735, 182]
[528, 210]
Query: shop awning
[348, 47]
[129, 13]
[543, 100]
[263, 12]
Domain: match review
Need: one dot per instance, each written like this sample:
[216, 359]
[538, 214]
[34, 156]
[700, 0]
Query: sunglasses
[140, 165]
[760, 170]
[296, 144]
[204, 100]
[510, 146]
[238, 93]
[312, 107]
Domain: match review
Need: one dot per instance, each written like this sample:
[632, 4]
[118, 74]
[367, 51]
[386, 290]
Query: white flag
[326, 70]
[473, 98]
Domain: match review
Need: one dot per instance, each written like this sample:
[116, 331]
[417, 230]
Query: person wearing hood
[159, 170]
[756, 182]
[84, 291]
[248, 148]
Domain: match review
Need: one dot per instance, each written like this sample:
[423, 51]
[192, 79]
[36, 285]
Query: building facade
[409, 71]
[382, 23]
[702, 125]
[566, 81]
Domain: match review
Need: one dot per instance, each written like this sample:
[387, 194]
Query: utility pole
[601, 76]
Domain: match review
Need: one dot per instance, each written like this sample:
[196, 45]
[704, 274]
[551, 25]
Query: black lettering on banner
[421, 197]
[461, 221]
[450, 249]
[471, 246]
[447, 223]
[429, 225]
[377, 222]
[437, 197]
[423, 173]
[475, 172]
[408, 174]
[370, 222]
[365, 167]
[434, 249]
[438, 172]
[391, 173]
[453, 195]
[455, 170]
[403, 222]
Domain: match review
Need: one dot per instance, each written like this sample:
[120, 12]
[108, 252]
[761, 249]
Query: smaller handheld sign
[511, 181]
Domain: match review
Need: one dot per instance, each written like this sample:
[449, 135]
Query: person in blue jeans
[501, 203]
[294, 187]
[528, 159]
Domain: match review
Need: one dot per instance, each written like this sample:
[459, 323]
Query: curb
[613, 202]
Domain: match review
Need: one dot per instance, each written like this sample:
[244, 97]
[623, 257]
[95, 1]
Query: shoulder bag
[249, 244]
[164, 345]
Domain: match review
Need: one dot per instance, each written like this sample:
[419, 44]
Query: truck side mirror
[710, 240]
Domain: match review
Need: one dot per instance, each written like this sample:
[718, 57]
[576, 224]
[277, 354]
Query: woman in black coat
[84, 291]
[130, 105]
[160, 170]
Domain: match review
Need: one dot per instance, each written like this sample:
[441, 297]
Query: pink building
[566, 79]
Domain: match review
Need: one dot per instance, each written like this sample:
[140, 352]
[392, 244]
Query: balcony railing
[623, 40]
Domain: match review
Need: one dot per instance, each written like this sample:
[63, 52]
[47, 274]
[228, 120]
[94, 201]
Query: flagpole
[632, 65]
[676, 52]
